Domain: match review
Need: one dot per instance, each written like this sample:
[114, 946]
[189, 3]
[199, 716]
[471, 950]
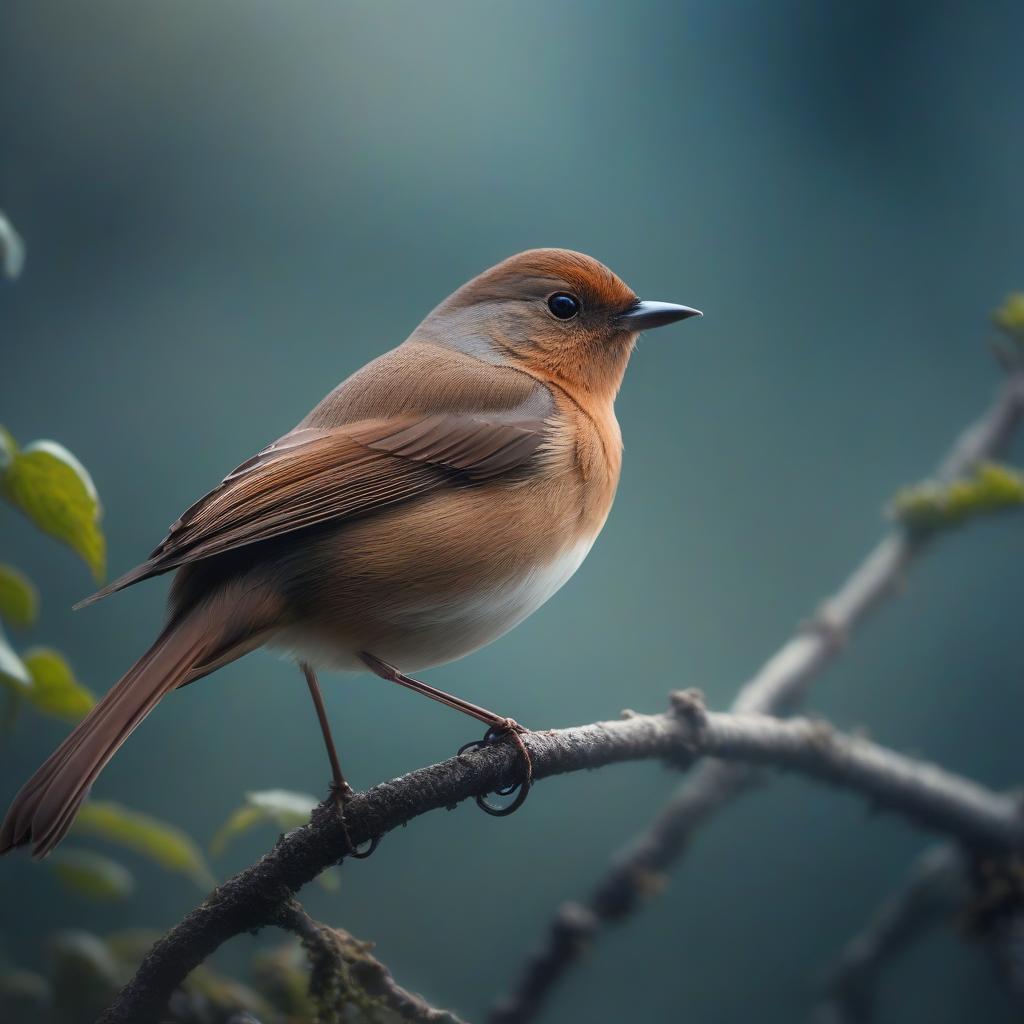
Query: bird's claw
[341, 793]
[506, 727]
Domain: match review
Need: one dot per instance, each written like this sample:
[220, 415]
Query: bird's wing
[318, 474]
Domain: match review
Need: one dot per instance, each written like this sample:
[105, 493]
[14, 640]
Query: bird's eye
[563, 305]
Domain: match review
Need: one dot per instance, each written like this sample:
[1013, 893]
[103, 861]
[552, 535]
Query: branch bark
[776, 689]
[932, 797]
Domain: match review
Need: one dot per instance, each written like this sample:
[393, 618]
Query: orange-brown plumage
[423, 508]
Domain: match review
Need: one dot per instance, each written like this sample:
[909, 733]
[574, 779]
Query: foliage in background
[166, 845]
[991, 486]
[48, 485]
[280, 807]
[86, 972]
[91, 875]
[284, 809]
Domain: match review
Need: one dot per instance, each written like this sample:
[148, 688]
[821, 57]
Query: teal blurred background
[229, 207]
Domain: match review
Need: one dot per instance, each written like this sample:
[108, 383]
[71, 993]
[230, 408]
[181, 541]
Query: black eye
[564, 306]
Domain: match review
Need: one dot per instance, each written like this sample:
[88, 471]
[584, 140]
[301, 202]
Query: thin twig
[935, 891]
[932, 797]
[776, 689]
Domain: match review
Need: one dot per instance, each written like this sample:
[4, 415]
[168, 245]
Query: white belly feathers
[423, 635]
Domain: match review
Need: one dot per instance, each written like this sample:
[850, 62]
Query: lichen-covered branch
[345, 974]
[936, 891]
[776, 689]
[932, 797]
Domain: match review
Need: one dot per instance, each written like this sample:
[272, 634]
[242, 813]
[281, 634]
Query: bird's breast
[426, 583]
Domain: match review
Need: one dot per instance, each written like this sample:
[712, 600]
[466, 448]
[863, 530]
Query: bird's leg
[497, 727]
[340, 789]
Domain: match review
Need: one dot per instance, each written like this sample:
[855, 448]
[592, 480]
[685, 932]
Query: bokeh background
[229, 207]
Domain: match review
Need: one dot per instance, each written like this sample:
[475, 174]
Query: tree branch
[995, 916]
[776, 689]
[985, 895]
[344, 973]
[936, 890]
[254, 898]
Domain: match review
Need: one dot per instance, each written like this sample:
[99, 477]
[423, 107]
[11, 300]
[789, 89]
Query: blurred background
[230, 207]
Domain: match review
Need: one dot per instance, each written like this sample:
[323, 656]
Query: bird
[427, 505]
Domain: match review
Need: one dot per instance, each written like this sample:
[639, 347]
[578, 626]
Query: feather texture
[425, 506]
[317, 474]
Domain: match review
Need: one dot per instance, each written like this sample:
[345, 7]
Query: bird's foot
[341, 793]
[499, 730]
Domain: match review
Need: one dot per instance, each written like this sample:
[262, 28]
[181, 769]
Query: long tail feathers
[133, 576]
[44, 809]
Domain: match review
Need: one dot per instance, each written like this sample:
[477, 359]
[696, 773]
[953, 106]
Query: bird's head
[553, 310]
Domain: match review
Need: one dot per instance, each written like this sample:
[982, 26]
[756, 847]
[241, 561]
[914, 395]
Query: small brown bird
[426, 506]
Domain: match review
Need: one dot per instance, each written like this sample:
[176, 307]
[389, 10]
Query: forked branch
[934, 798]
[777, 688]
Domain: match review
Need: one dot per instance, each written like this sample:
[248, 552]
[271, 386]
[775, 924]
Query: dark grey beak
[645, 315]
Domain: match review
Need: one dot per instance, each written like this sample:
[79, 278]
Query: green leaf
[55, 690]
[92, 875]
[240, 821]
[330, 879]
[129, 946]
[1009, 318]
[231, 999]
[46, 482]
[8, 449]
[19, 599]
[282, 807]
[927, 507]
[84, 974]
[167, 845]
[13, 673]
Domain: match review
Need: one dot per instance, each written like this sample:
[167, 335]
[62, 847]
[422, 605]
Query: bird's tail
[44, 809]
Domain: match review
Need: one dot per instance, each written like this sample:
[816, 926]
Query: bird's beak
[645, 315]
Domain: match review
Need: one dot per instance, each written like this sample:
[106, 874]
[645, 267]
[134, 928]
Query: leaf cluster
[48, 485]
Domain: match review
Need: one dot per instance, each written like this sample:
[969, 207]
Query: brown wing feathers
[334, 474]
[479, 448]
[310, 476]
